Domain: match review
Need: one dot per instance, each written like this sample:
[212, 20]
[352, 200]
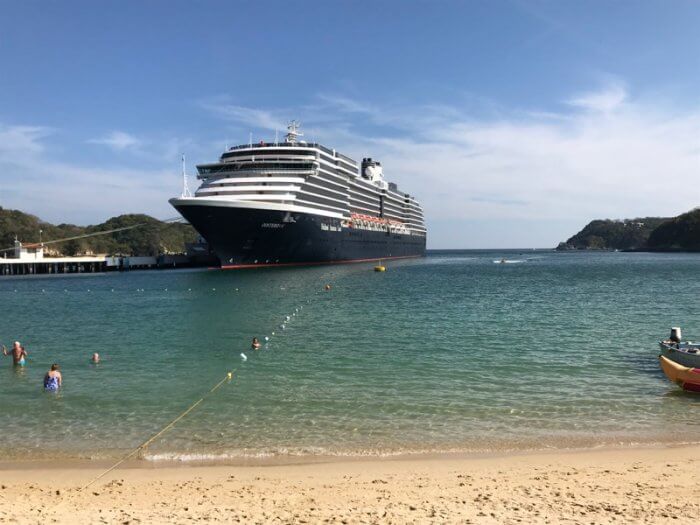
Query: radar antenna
[185, 188]
[292, 132]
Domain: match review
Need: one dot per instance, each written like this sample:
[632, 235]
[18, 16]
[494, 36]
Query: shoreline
[640, 485]
[264, 460]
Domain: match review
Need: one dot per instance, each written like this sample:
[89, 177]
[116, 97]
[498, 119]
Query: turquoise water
[451, 352]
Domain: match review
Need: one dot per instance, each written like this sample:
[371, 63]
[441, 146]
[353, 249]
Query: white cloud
[347, 104]
[258, 118]
[604, 101]
[35, 180]
[22, 139]
[117, 140]
[581, 166]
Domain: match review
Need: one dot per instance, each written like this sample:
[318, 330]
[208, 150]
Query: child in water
[53, 380]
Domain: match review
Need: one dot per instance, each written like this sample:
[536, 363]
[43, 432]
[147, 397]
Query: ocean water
[453, 352]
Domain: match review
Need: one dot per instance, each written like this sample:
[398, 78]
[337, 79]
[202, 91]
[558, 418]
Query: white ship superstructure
[309, 177]
[295, 177]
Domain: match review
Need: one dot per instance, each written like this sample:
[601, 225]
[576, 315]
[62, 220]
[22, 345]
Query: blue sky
[513, 122]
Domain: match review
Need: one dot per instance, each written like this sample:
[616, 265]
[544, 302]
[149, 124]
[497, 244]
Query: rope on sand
[228, 377]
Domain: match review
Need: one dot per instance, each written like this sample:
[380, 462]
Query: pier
[29, 259]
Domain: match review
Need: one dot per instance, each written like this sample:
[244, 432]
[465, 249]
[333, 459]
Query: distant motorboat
[508, 261]
[686, 377]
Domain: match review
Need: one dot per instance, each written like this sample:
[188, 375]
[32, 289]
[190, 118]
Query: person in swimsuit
[256, 344]
[19, 354]
[53, 380]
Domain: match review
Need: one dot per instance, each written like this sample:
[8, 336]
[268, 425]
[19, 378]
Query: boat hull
[249, 237]
[686, 355]
[685, 377]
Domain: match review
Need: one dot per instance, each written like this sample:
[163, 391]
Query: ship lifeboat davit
[685, 377]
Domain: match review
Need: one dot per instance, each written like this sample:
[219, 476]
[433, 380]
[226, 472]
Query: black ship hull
[250, 237]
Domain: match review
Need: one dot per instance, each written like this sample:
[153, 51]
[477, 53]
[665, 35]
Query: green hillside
[679, 234]
[659, 234]
[630, 234]
[151, 237]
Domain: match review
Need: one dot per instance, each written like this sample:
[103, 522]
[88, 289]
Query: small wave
[509, 261]
[311, 452]
[319, 453]
[446, 260]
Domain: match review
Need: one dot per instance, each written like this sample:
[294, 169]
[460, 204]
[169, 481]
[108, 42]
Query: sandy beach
[650, 485]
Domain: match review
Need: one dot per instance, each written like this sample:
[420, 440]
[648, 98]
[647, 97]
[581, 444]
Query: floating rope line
[228, 377]
[132, 453]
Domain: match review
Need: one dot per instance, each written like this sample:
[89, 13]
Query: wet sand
[634, 485]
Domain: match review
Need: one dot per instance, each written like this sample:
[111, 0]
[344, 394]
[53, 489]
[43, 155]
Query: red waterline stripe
[317, 263]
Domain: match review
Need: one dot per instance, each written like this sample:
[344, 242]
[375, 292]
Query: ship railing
[255, 171]
[276, 144]
[294, 145]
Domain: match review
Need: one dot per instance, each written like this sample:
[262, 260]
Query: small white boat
[684, 353]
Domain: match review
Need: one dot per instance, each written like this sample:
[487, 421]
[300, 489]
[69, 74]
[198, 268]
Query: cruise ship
[296, 203]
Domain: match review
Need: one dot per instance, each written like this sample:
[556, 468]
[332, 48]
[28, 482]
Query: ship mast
[185, 188]
[293, 132]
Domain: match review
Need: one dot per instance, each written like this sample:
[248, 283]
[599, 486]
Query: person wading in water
[19, 354]
[53, 380]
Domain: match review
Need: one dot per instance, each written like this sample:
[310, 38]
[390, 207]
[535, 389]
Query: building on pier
[28, 259]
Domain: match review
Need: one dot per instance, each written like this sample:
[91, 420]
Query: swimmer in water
[19, 354]
[95, 359]
[256, 344]
[328, 287]
[53, 380]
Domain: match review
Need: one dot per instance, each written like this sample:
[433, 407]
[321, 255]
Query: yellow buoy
[380, 268]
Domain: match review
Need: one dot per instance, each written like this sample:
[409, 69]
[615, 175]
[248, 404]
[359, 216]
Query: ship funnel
[372, 170]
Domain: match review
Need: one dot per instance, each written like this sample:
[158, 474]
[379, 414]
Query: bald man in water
[19, 354]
